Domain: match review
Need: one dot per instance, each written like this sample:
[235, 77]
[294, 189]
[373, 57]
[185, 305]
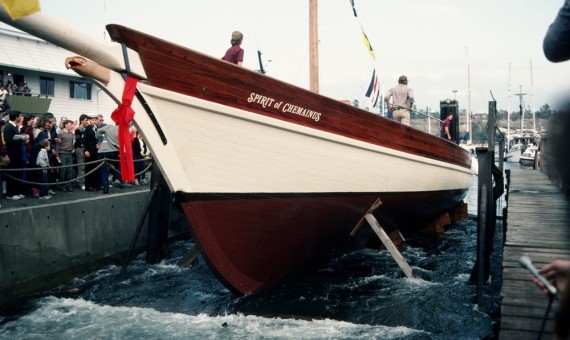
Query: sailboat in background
[273, 179]
[513, 149]
[468, 145]
[522, 138]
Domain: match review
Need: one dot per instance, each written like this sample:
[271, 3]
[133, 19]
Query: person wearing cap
[234, 54]
[402, 101]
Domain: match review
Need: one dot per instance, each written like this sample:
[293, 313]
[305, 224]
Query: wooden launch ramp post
[386, 241]
[389, 245]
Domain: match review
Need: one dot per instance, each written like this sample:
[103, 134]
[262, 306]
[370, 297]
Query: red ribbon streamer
[123, 115]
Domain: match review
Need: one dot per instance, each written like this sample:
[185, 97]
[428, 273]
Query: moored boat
[271, 177]
[529, 155]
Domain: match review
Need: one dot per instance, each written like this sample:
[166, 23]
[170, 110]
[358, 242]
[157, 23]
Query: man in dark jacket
[14, 139]
[90, 147]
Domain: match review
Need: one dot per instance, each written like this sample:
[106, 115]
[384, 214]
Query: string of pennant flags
[373, 92]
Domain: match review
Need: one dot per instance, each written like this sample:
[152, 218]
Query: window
[46, 86]
[79, 90]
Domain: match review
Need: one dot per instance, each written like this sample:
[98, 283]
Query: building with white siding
[24, 58]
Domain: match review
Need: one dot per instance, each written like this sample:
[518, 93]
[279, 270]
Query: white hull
[222, 149]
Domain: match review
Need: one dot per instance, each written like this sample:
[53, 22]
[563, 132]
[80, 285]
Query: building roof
[23, 51]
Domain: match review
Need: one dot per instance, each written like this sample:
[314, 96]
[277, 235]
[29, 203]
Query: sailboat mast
[520, 94]
[509, 107]
[532, 98]
[313, 47]
[469, 115]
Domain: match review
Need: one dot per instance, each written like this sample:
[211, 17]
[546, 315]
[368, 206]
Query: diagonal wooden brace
[370, 210]
[389, 245]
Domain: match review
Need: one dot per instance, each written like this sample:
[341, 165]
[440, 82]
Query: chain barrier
[109, 162]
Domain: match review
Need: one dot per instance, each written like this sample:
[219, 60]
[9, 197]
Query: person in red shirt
[445, 130]
[235, 53]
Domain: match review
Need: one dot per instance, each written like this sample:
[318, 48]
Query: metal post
[480, 271]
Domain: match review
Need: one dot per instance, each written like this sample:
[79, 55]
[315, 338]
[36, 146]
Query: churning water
[360, 295]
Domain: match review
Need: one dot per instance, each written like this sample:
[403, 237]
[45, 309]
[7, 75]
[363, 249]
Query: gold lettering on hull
[266, 102]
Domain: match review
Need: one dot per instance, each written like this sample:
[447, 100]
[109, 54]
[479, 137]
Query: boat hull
[526, 160]
[273, 178]
[255, 241]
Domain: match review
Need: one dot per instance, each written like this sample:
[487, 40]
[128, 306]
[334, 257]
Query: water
[360, 295]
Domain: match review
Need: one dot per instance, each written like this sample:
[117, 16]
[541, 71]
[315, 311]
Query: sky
[434, 43]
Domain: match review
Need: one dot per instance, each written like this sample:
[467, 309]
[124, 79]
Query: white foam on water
[59, 318]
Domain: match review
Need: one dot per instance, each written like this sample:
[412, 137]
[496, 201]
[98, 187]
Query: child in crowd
[43, 162]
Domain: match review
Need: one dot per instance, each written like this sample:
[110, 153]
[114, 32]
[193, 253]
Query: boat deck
[537, 226]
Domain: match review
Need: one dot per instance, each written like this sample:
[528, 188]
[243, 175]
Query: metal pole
[485, 193]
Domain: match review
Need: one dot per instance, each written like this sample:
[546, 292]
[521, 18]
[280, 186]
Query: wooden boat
[271, 177]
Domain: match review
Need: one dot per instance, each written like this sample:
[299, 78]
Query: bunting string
[373, 92]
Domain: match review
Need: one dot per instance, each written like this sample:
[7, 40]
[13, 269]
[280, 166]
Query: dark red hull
[255, 241]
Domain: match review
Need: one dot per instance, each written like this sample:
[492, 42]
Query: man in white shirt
[403, 101]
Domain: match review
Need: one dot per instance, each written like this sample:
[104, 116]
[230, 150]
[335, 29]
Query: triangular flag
[17, 9]
[373, 91]
[368, 46]
[353, 8]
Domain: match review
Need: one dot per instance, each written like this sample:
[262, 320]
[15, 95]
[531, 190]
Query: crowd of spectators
[18, 89]
[12, 89]
[40, 155]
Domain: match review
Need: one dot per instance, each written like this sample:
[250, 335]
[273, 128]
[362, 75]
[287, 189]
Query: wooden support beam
[442, 222]
[370, 210]
[389, 245]
[395, 236]
[438, 224]
[460, 213]
[189, 257]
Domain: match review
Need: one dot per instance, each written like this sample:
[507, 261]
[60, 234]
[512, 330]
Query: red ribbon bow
[123, 115]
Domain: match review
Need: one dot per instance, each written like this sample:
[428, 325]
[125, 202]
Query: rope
[107, 160]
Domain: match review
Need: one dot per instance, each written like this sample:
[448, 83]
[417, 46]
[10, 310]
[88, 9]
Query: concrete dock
[538, 227]
[44, 243]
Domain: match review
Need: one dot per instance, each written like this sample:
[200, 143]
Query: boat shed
[54, 88]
